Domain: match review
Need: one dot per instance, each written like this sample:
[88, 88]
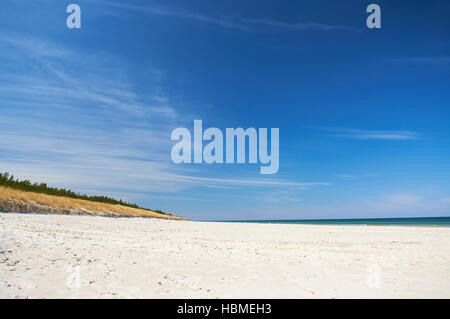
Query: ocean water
[416, 221]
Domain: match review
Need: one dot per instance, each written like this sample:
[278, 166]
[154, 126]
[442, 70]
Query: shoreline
[156, 258]
[437, 221]
[308, 224]
[227, 222]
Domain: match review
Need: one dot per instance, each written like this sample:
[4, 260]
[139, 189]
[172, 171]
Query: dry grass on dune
[77, 206]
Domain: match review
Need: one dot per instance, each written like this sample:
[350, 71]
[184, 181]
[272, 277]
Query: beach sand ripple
[64, 256]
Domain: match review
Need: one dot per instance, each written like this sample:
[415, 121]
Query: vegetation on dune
[8, 180]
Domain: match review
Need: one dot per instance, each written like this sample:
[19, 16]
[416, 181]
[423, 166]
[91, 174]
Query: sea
[410, 221]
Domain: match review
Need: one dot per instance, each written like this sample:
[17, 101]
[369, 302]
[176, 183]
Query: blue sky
[363, 114]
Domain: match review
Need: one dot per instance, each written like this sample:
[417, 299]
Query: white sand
[147, 258]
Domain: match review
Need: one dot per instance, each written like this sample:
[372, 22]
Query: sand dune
[14, 200]
[50, 256]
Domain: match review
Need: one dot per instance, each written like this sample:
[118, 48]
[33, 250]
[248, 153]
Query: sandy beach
[63, 256]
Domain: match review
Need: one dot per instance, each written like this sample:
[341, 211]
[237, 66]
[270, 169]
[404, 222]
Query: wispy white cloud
[385, 206]
[232, 22]
[347, 176]
[403, 199]
[430, 60]
[55, 81]
[293, 26]
[354, 177]
[281, 200]
[255, 181]
[76, 124]
[373, 134]
[128, 159]
[35, 46]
